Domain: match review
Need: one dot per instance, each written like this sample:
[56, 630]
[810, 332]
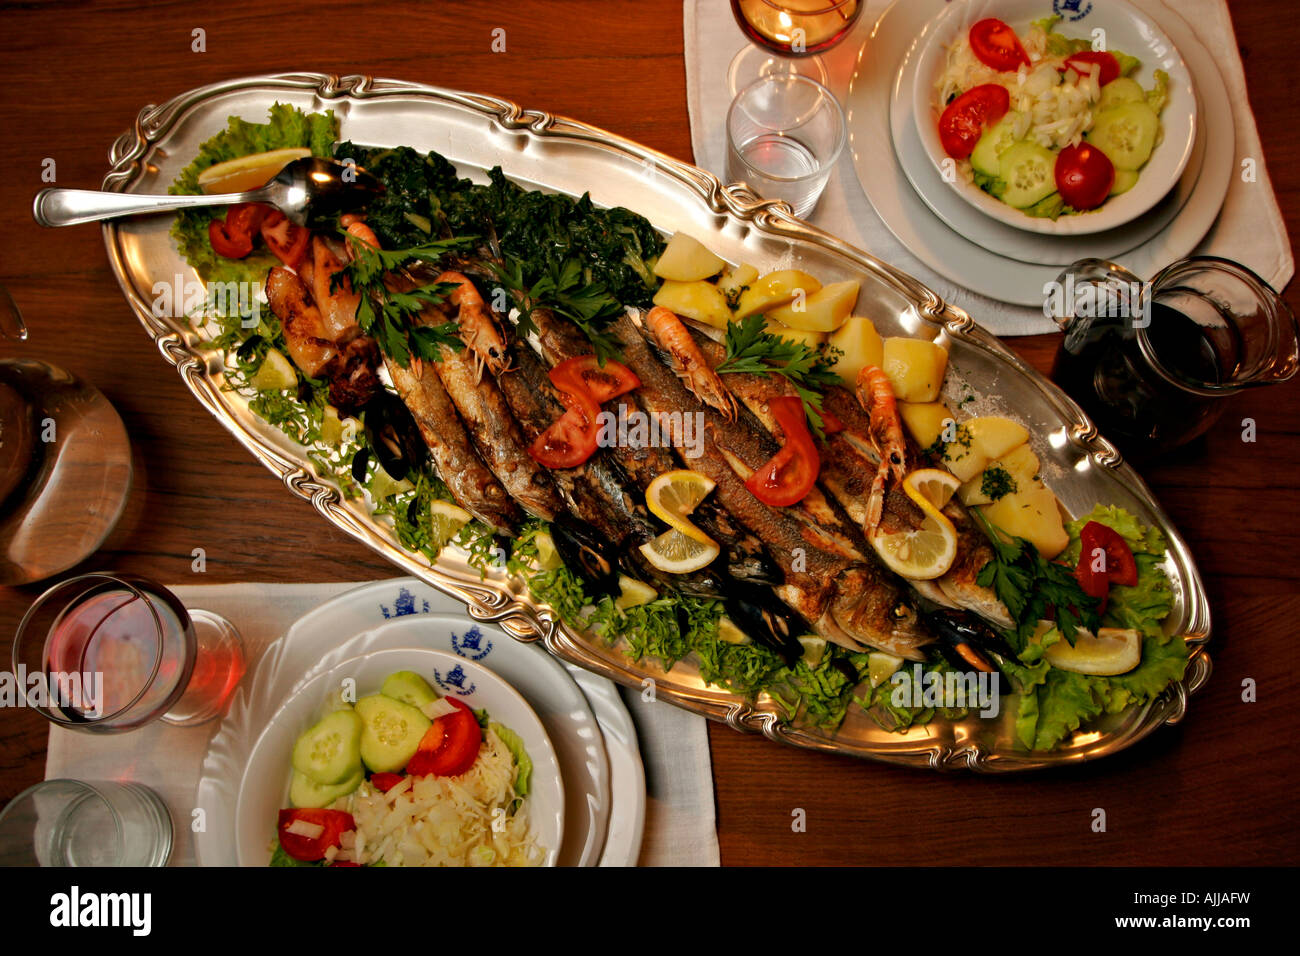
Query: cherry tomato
[285, 238]
[601, 383]
[309, 849]
[997, 45]
[450, 746]
[790, 474]
[962, 123]
[1082, 64]
[383, 782]
[1084, 176]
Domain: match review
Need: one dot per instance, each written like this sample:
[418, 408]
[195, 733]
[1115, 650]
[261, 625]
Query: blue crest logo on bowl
[471, 646]
[404, 605]
[1072, 10]
[454, 682]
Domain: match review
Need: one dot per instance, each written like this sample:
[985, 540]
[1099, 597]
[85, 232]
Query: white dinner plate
[264, 787]
[592, 732]
[964, 261]
[1000, 237]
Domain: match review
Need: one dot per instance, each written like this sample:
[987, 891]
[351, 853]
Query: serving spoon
[310, 183]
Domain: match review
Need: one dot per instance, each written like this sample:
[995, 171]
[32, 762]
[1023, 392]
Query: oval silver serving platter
[548, 152]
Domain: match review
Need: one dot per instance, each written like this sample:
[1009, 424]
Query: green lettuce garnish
[523, 763]
[1158, 95]
[288, 127]
[1054, 703]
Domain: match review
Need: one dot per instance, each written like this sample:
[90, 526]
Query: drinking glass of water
[109, 653]
[74, 823]
[785, 133]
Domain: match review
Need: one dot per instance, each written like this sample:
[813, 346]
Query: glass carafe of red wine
[65, 461]
[1153, 363]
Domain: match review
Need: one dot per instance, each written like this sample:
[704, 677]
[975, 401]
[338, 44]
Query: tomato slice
[285, 238]
[383, 782]
[233, 237]
[997, 46]
[309, 849]
[830, 424]
[1082, 64]
[962, 123]
[570, 440]
[585, 374]
[450, 746]
[1121, 566]
[1084, 176]
[790, 474]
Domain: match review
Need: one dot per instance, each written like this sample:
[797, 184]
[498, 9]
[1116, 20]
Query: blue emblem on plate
[472, 645]
[404, 605]
[1072, 10]
[454, 681]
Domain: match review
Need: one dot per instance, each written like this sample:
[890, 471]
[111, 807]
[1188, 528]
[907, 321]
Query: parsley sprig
[754, 350]
[563, 289]
[390, 317]
[1034, 588]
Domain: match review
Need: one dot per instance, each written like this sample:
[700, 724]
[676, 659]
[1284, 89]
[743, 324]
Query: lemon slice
[730, 633]
[674, 495]
[633, 593]
[932, 486]
[248, 172]
[922, 554]
[678, 553]
[445, 522]
[1111, 651]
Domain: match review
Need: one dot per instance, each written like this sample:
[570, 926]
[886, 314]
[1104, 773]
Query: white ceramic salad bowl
[1124, 28]
[264, 788]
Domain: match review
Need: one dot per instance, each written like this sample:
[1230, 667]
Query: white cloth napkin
[679, 823]
[1249, 230]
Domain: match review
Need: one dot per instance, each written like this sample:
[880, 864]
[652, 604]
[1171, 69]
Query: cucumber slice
[306, 792]
[997, 139]
[1125, 179]
[329, 752]
[410, 688]
[1126, 134]
[1029, 170]
[1121, 91]
[391, 732]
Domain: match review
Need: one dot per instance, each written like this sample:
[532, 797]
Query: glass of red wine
[107, 653]
[787, 36]
[1152, 362]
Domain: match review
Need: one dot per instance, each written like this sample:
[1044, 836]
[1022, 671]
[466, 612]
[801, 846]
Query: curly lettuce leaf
[523, 763]
[287, 127]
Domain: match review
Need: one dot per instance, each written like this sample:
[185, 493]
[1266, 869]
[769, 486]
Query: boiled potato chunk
[924, 420]
[696, 300]
[861, 346]
[823, 311]
[774, 289]
[963, 461]
[915, 368]
[993, 437]
[802, 336]
[735, 278]
[1022, 465]
[1032, 514]
[685, 259]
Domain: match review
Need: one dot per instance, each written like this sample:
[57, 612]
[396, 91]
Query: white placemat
[680, 828]
[1249, 230]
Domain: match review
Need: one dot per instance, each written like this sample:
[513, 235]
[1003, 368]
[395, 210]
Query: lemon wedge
[248, 172]
[814, 649]
[881, 667]
[927, 552]
[633, 593]
[674, 495]
[1111, 651]
[445, 522]
[548, 559]
[678, 553]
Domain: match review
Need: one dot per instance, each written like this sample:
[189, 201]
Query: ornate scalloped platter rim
[737, 218]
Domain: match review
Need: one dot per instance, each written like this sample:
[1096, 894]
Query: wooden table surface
[1219, 789]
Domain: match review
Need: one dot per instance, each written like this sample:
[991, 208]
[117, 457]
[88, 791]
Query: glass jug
[65, 462]
[1153, 362]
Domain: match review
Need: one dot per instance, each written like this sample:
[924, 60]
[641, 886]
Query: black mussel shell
[394, 436]
[758, 612]
[585, 552]
[967, 641]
